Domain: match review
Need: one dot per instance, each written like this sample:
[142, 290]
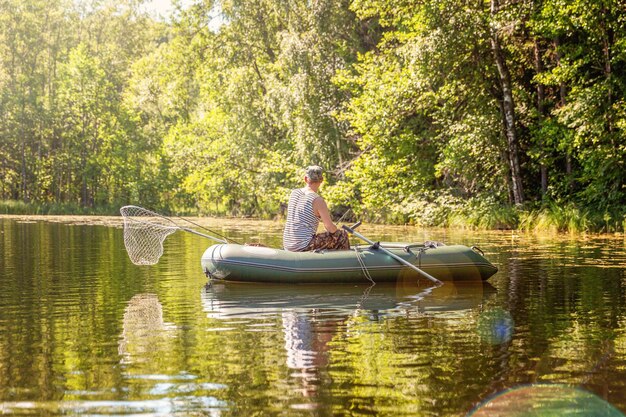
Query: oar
[393, 255]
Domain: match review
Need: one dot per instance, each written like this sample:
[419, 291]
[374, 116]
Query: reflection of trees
[65, 292]
[59, 312]
[571, 328]
[568, 317]
[415, 362]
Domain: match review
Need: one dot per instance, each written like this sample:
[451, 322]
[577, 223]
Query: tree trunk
[541, 111]
[23, 172]
[508, 114]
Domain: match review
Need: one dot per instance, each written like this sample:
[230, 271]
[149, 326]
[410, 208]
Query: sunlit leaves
[401, 102]
[420, 110]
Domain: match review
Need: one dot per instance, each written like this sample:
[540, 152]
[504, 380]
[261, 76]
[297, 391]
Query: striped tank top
[301, 223]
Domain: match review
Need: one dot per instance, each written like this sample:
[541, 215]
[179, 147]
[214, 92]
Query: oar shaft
[396, 257]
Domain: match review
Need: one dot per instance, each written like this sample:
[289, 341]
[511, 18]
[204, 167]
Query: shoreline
[229, 222]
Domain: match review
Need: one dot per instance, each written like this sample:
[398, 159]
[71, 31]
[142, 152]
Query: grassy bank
[20, 207]
[550, 218]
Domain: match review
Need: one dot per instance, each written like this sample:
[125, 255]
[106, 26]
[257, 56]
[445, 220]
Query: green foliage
[405, 103]
[67, 136]
[432, 209]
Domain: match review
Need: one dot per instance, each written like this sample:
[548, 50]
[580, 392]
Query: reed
[15, 207]
[557, 218]
[551, 218]
[484, 218]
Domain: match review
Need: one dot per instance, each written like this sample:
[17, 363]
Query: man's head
[314, 173]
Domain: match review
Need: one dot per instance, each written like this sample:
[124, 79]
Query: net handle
[184, 229]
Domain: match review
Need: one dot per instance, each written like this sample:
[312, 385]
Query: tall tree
[507, 103]
[429, 104]
[260, 101]
[586, 40]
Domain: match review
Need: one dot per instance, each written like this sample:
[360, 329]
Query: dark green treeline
[494, 113]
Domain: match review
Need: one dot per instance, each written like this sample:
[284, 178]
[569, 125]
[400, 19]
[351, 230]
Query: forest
[492, 114]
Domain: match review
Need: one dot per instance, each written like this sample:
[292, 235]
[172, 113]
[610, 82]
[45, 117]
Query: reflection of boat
[233, 262]
[236, 300]
[313, 315]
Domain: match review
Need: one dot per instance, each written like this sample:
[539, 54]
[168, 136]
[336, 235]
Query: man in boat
[304, 212]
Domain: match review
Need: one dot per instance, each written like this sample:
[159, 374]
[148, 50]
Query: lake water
[83, 331]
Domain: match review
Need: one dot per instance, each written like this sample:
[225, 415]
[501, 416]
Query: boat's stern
[486, 268]
[479, 266]
[456, 263]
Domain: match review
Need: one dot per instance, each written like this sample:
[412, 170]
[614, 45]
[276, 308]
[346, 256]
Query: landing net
[144, 234]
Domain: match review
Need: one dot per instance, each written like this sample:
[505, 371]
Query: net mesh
[144, 234]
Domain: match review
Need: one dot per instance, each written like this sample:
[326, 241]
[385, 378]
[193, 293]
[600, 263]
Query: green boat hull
[240, 263]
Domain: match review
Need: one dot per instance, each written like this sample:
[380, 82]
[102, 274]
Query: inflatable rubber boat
[361, 264]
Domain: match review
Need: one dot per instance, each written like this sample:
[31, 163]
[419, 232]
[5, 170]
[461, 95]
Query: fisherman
[304, 211]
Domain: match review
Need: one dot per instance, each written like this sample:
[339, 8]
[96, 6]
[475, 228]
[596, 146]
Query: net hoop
[144, 234]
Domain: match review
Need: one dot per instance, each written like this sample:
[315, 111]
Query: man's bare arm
[321, 210]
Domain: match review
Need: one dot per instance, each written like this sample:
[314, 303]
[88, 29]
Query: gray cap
[314, 172]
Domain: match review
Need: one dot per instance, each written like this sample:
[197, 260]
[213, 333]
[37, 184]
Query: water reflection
[83, 331]
[307, 345]
[144, 329]
[236, 300]
[496, 326]
[315, 319]
[146, 342]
